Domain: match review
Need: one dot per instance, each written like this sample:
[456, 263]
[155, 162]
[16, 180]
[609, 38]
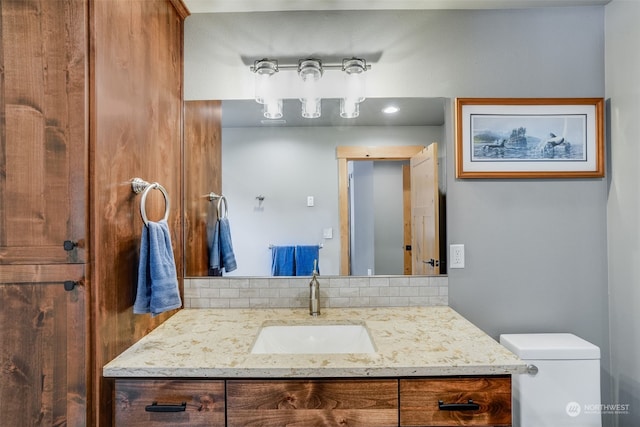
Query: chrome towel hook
[141, 186]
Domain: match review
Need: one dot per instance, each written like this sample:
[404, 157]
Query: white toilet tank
[565, 390]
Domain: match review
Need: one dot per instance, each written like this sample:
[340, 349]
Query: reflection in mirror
[377, 218]
[280, 177]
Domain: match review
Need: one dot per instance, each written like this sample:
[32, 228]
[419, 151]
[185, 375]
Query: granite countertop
[409, 341]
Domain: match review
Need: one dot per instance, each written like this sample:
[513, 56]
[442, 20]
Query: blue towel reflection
[306, 256]
[221, 254]
[282, 261]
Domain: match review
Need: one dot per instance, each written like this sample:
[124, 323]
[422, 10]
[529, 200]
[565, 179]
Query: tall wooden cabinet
[90, 97]
[43, 193]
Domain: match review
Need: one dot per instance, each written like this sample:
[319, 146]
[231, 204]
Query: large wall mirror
[281, 180]
[268, 170]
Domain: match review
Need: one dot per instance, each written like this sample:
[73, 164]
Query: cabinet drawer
[203, 401]
[312, 403]
[419, 401]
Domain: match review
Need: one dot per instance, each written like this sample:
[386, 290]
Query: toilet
[562, 385]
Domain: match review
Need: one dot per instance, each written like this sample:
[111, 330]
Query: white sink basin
[313, 339]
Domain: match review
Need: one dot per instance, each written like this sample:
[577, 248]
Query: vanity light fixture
[310, 71]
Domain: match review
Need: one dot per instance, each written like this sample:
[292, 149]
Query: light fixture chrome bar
[259, 66]
[310, 71]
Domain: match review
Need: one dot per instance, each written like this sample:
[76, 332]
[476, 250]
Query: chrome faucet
[314, 292]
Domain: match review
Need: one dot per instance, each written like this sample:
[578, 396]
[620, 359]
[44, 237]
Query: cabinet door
[43, 138]
[43, 359]
[309, 403]
[147, 403]
[451, 401]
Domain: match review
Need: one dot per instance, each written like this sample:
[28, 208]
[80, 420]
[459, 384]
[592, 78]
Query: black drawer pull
[154, 407]
[469, 406]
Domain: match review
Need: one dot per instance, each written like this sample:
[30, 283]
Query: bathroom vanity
[428, 366]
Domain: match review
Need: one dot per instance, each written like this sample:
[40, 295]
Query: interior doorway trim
[344, 154]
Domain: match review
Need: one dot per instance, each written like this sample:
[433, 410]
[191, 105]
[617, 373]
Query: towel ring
[221, 198]
[226, 208]
[143, 202]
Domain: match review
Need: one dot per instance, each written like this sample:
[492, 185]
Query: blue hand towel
[282, 261]
[157, 289]
[220, 247]
[305, 257]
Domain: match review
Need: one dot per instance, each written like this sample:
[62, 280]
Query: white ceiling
[216, 6]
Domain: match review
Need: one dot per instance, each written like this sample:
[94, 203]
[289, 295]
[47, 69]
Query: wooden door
[406, 219]
[425, 242]
[42, 355]
[43, 149]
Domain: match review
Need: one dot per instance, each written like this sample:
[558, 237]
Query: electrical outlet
[456, 256]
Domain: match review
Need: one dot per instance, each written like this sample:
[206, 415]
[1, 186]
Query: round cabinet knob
[68, 245]
[532, 369]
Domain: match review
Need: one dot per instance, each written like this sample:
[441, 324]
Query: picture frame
[529, 137]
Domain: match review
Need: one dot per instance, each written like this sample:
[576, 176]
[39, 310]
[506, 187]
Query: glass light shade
[355, 86]
[265, 71]
[310, 85]
[273, 109]
[354, 70]
[261, 87]
[310, 71]
[311, 108]
[349, 108]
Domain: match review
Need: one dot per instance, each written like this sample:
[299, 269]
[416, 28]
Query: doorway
[380, 226]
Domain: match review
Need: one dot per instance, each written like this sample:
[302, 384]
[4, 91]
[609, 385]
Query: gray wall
[623, 208]
[536, 250]
[389, 221]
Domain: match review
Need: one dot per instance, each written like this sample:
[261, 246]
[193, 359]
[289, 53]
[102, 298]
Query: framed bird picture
[529, 137]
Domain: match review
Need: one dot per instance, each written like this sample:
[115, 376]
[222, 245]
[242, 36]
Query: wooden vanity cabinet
[366, 403]
[481, 401]
[147, 403]
[465, 401]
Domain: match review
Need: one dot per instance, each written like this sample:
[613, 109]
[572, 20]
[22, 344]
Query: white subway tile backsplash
[293, 292]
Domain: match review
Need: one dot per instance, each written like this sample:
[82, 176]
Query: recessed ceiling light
[392, 109]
